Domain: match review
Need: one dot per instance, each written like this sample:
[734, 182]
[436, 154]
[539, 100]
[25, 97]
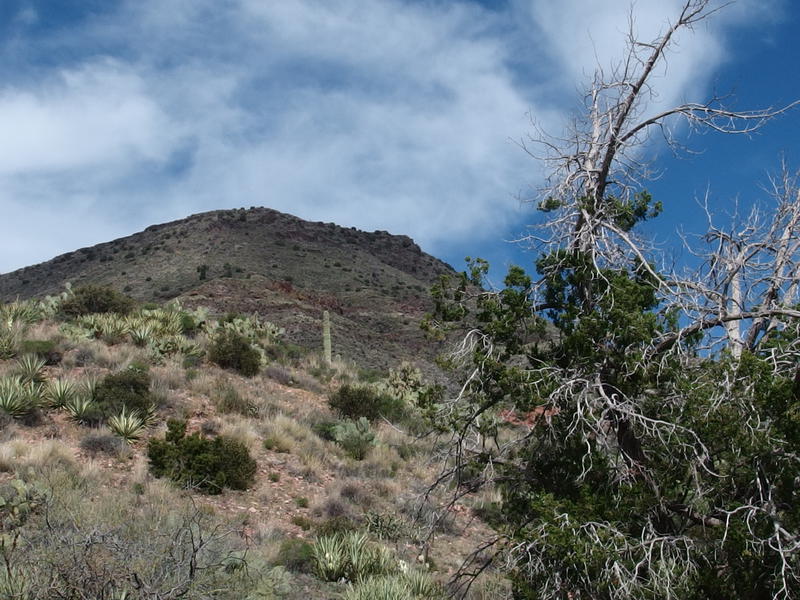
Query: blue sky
[389, 114]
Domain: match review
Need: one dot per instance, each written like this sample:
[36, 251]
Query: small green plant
[15, 397]
[276, 444]
[274, 477]
[59, 392]
[411, 585]
[83, 410]
[30, 368]
[302, 522]
[127, 425]
[355, 437]
[231, 350]
[350, 556]
[354, 401]
[302, 502]
[296, 555]
[194, 461]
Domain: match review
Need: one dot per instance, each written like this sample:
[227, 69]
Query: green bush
[92, 299]
[128, 389]
[326, 430]
[194, 461]
[232, 351]
[356, 401]
[355, 437]
[296, 555]
[44, 349]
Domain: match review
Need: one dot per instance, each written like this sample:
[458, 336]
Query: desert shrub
[44, 349]
[227, 400]
[302, 522]
[231, 350]
[335, 526]
[296, 555]
[128, 389]
[355, 401]
[326, 430]
[386, 526]
[355, 437]
[96, 443]
[194, 461]
[92, 299]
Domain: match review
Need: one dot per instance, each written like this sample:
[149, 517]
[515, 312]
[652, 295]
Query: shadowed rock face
[288, 270]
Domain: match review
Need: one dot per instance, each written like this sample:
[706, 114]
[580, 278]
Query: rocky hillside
[262, 261]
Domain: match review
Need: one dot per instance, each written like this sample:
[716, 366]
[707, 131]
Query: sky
[398, 115]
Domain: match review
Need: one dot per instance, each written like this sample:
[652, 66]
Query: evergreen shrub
[356, 401]
[194, 461]
[231, 350]
[128, 389]
[90, 299]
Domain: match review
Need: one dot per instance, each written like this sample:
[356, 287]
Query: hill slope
[263, 261]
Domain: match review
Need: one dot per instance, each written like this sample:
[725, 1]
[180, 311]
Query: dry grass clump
[18, 455]
[241, 429]
[382, 461]
[169, 375]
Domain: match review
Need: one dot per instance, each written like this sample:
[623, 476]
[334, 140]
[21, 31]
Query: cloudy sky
[381, 114]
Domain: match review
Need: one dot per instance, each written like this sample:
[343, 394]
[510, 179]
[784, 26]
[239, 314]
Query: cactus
[326, 337]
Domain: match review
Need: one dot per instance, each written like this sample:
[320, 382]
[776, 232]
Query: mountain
[287, 270]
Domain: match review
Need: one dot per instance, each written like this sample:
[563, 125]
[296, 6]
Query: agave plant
[59, 392]
[30, 368]
[89, 387]
[10, 337]
[141, 334]
[81, 409]
[15, 398]
[127, 425]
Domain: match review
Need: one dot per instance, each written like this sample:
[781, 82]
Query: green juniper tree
[642, 427]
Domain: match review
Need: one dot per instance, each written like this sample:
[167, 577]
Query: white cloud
[91, 117]
[383, 115]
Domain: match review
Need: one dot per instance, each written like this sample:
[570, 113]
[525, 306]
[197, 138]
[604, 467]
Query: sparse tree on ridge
[641, 424]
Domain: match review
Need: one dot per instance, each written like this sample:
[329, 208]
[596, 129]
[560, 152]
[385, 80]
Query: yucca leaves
[81, 409]
[30, 368]
[59, 392]
[17, 398]
[128, 425]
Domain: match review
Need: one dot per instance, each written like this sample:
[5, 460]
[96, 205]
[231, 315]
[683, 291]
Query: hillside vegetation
[133, 465]
[262, 261]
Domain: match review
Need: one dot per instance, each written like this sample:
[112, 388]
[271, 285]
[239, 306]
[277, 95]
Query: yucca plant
[380, 588]
[30, 368]
[15, 398]
[59, 392]
[422, 585]
[141, 334]
[89, 387]
[330, 558]
[9, 341]
[128, 425]
[81, 409]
